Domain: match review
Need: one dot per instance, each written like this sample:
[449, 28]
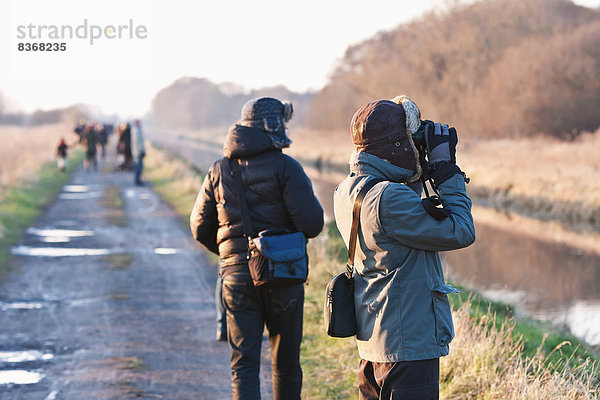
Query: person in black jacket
[279, 195]
[61, 155]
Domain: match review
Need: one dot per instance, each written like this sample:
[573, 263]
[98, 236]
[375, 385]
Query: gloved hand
[441, 143]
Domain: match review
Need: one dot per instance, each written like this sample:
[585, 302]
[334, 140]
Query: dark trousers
[408, 380]
[249, 309]
[220, 308]
[139, 166]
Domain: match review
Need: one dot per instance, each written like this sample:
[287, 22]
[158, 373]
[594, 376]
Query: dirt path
[136, 322]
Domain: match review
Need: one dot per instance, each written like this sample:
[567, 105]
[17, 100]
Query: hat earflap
[288, 111]
[413, 122]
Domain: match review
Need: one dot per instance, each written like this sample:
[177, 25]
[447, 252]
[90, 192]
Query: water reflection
[543, 278]
[20, 377]
[165, 250]
[75, 188]
[59, 232]
[58, 235]
[56, 251]
[324, 184]
[581, 318]
[56, 239]
[80, 196]
[23, 356]
[22, 305]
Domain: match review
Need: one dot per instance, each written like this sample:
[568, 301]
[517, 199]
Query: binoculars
[418, 137]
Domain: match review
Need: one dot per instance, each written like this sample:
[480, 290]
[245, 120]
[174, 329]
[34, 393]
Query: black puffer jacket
[278, 192]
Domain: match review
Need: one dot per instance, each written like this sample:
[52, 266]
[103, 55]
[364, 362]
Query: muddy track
[129, 314]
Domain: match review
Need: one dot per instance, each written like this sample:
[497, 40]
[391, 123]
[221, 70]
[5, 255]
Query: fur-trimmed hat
[380, 128]
[271, 115]
[266, 107]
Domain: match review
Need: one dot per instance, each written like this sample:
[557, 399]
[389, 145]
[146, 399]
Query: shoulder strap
[236, 173]
[355, 220]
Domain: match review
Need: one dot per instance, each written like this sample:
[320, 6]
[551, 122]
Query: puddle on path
[22, 305]
[19, 377]
[165, 250]
[56, 251]
[82, 302]
[37, 305]
[59, 232]
[56, 239]
[58, 235]
[75, 188]
[80, 196]
[52, 395]
[23, 356]
[145, 196]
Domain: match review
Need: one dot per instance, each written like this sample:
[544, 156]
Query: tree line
[198, 103]
[496, 68]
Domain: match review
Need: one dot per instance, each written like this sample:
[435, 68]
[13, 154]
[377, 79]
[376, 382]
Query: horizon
[300, 52]
[130, 73]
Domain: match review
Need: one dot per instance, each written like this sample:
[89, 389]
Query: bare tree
[493, 68]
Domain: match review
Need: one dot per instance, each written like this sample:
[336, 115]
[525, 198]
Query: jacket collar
[362, 163]
[244, 141]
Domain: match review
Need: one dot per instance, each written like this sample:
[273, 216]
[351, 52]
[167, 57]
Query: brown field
[564, 171]
[542, 177]
[541, 166]
[26, 148]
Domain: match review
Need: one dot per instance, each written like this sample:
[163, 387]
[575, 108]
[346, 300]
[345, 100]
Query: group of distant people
[94, 136]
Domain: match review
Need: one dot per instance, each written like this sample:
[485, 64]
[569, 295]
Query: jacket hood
[362, 163]
[245, 141]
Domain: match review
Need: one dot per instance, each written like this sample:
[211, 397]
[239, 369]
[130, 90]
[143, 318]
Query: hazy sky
[252, 43]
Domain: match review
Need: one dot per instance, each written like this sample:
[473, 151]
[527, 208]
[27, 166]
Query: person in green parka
[401, 298]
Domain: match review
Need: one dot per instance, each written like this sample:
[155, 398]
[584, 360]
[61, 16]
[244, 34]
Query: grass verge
[493, 356]
[175, 179]
[20, 206]
[329, 364]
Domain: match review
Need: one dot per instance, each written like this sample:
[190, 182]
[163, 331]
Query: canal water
[545, 279]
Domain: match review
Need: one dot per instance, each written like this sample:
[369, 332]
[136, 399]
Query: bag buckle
[251, 247]
[349, 271]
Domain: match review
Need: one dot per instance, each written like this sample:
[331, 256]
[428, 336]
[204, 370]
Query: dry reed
[26, 148]
[486, 362]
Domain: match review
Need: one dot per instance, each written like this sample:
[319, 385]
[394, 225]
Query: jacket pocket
[444, 328]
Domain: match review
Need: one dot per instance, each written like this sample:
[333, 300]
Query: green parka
[400, 294]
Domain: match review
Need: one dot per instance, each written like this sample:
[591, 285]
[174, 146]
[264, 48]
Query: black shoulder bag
[276, 257]
[338, 312]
